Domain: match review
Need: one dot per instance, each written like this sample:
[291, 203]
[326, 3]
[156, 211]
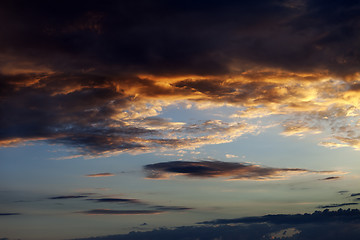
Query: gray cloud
[337, 205]
[212, 169]
[9, 214]
[120, 212]
[95, 80]
[341, 215]
[68, 197]
[330, 178]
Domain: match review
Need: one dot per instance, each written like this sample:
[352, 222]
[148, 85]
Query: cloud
[354, 194]
[115, 200]
[338, 205]
[341, 215]
[68, 197]
[93, 89]
[331, 178]
[120, 212]
[326, 225]
[9, 214]
[214, 169]
[172, 208]
[100, 175]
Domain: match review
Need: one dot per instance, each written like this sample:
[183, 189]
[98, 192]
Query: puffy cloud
[214, 169]
[102, 75]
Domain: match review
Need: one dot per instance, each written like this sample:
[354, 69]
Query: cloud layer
[98, 79]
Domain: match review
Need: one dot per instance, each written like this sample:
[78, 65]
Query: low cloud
[335, 205]
[326, 225]
[316, 217]
[215, 169]
[354, 194]
[120, 212]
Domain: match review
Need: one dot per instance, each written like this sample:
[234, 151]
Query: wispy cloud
[214, 169]
[100, 175]
[337, 205]
[120, 212]
[68, 197]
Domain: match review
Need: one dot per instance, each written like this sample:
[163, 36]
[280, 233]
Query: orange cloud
[100, 175]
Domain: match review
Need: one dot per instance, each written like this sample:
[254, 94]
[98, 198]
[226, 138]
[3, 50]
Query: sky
[179, 119]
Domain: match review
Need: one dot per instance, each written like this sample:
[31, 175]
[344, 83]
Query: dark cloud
[68, 197]
[212, 169]
[354, 194]
[172, 208]
[335, 205]
[330, 178]
[350, 215]
[324, 225]
[9, 214]
[95, 76]
[120, 212]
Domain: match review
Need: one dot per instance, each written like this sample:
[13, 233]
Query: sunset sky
[195, 119]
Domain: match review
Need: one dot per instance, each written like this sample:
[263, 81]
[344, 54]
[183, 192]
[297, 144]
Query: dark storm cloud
[341, 215]
[9, 214]
[183, 37]
[213, 169]
[335, 205]
[68, 197]
[354, 194]
[318, 226]
[120, 212]
[85, 74]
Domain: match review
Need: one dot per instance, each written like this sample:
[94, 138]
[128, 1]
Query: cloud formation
[102, 75]
[349, 215]
[214, 169]
[100, 175]
[337, 205]
[326, 225]
[120, 212]
[330, 178]
[68, 197]
[9, 214]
